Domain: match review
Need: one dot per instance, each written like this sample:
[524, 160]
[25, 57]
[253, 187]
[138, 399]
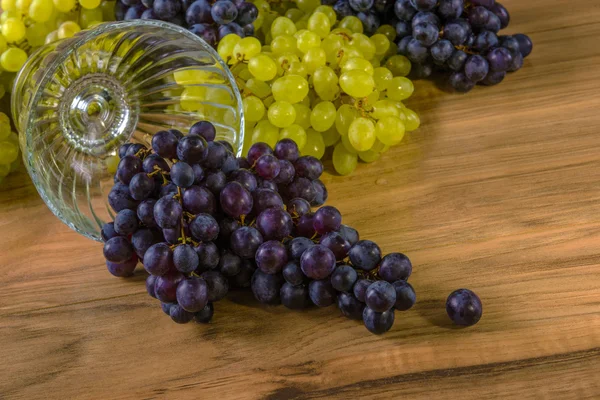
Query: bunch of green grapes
[322, 83]
[9, 148]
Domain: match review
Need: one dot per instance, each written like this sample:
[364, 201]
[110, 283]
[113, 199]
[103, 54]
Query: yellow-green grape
[302, 23]
[344, 117]
[226, 45]
[282, 26]
[190, 77]
[319, 24]
[381, 42]
[265, 132]
[246, 48]
[192, 97]
[371, 100]
[51, 37]
[399, 65]
[351, 23]
[294, 14]
[262, 5]
[364, 45]
[306, 40]
[400, 88]
[294, 132]
[112, 162]
[389, 130]
[68, 29]
[8, 5]
[387, 30]
[258, 88]
[323, 116]
[5, 120]
[347, 145]
[13, 30]
[2, 91]
[330, 136]
[382, 77]
[313, 59]
[332, 45]
[13, 59]
[384, 108]
[412, 120]
[284, 62]
[303, 113]
[344, 161]
[66, 5]
[23, 6]
[89, 3]
[218, 95]
[308, 5]
[35, 34]
[290, 88]
[347, 52]
[306, 101]
[266, 49]
[108, 9]
[9, 14]
[329, 11]
[88, 17]
[357, 83]
[8, 152]
[297, 68]
[283, 44]
[325, 83]
[4, 130]
[344, 32]
[359, 64]
[361, 134]
[315, 146]
[254, 109]
[282, 114]
[379, 147]
[375, 62]
[4, 44]
[369, 156]
[41, 10]
[262, 67]
[259, 21]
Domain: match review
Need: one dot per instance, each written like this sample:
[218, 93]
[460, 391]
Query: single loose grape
[294, 132]
[254, 109]
[265, 132]
[290, 88]
[13, 59]
[361, 134]
[319, 23]
[262, 67]
[357, 83]
[282, 114]
[344, 117]
[344, 162]
[13, 30]
[399, 65]
[314, 144]
[314, 58]
[359, 64]
[400, 88]
[390, 130]
[323, 116]
[382, 77]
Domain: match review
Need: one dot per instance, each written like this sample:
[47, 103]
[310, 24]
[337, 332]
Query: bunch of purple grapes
[203, 221]
[372, 13]
[460, 37]
[210, 20]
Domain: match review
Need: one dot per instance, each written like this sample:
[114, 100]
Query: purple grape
[298, 207]
[478, 16]
[108, 231]
[208, 255]
[243, 278]
[150, 280]
[148, 14]
[293, 274]
[154, 160]
[297, 245]
[457, 60]
[266, 198]
[511, 44]
[342, 9]
[192, 149]
[204, 128]
[271, 257]
[243, 161]
[337, 244]
[322, 293]
[394, 267]
[360, 289]
[230, 165]
[343, 278]
[258, 150]
[215, 182]
[450, 9]
[185, 258]
[236, 200]
[179, 315]
[230, 28]
[226, 227]
[502, 13]
[456, 32]
[142, 240]
[141, 186]
[204, 227]
[403, 29]
[198, 199]
[126, 222]
[405, 295]
[361, 5]
[134, 12]
[377, 322]
[476, 68]
[230, 264]
[370, 21]
[303, 188]
[247, 13]
[365, 255]
[460, 82]
[464, 307]
[218, 286]
[173, 235]
[380, 296]
[165, 286]
[169, 190]
[164, 143]
[166, 9]
[287, 149]
[192, 294]
[245, 178]
[499, 59]
[485, 3]
[167, 212]
[123, 149]
[182, 174]
[158, 259]
[178, 134]
[404, 10]
[426, 33]
[205, 315]
[416, 52]
[493, 24]
[423, 5]
[327, 219]
[266, 287]
[425, 16]
[166, 307]
[122, 270]
[485, 41]
[120, 10]
[274, 224]
[349, 233]
[245, 241]
[308, 167]
[350, 306]
[119, 198]
[118, 249]
[441, 51]
[403, 45]
[224, 12]
[525, 44]
[286, 172]
[317, 262]
[205, 32]
[305, 227]
[128, 167]
[294, 297]
[215, 156]
[517, 62]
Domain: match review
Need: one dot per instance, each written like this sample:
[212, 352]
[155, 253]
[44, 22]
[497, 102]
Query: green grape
[246, 48]
[347, 145]
[88, 17]
[382, 77]
[35, 34]
[361, 134]
[13, 59]
[254, 109]
[342, 32]
[364, 45]
[4, 44]
[387, 30]
[371, 100]
[4, 130]
[8, 5]
[297, 68]
[112, 162]
[378, 147]
[412, 120]
[344, 117]
[303, 113]
[294, 132]
[282, 26]
[243, 73]
[332, 45]
[369, 156]
[344, 161]
[218, 95]
[384, 108]
[323, 116]
[41, 10]
[262, 67]
[66, 5]
[381, 42]
[68, 29]
[375, 62]
[51, 37]
[319, 24]
[265, 132]
[399, 65]
[282, 114]
[266, 26]
[8, 152]
[194, 76]
[359, 64]
[352, 23]
[329, 11]
[314, 144]
[284, 63]
[13, 30]
[306, 40]
[226, 45]
[294, 14]
[262, 5]
[331, 136]
[325, 83]
[89, 3]
[259, 21]
[308, 5]
[313, 59]
[23, 6]
[389, 130]
[107, 7]
[400, 88]
[347, 52]
[192, 98]
[357, 83]
[306, 101]
[302, 23]
[9, 14]
[4, 170]
[268, 101]
[290, 88]
[283, 44]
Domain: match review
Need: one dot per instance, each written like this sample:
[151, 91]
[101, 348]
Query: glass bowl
[77, 100]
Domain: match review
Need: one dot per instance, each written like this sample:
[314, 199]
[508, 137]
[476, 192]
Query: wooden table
[499, 192]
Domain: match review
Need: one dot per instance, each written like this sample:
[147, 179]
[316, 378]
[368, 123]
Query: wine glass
[77, 100]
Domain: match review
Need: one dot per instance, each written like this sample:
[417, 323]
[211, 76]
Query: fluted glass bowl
[77, 100]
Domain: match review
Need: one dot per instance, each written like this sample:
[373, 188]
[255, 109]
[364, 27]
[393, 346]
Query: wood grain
[498, 192]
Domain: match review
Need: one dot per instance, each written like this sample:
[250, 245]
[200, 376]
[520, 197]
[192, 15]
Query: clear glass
[77, 100]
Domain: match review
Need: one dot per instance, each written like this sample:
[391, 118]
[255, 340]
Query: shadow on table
[434, 311]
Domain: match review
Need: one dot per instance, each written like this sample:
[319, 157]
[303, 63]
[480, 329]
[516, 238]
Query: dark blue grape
[192, 149]
[394, 267]
[405, 295]
[294, 297]
[298, 207]
[141, 186]
[205, 315]
[218, 286]
[215, 156]
[343, 278]
[215, 182]
[134, 12]
[525, 44]
[192, 294]
[108, 231]
[342, 9]
[321, 193]
[370, 21]
[293, 274]
[245, 241]
[148, 14]
[403, 29]
[476, 68]
[204, 128]
[297, 245]
[416, 52]
[517, 63]
[230, 165]
[287, 149]
[150, 280]
[164, 143]
[166, 9]
[502, 13]
[426, 33]
[349, 233]
[456, 33]
[126, 222]
[266, 198]
[271, 256]
[322, 293]
[230, 264]
[337, 244]
[246, 178]
[123, 149]
[205, 32]
[376, 322]
[230, 28]
[425, 16]
[274, 224]
[460, 82]
[380, 296]
[122, 270]
[267, 167]
[485, 3]
[185, 258]
[198, 13]
[208, 255]
[128, 167]
[478, 16]
[493, 24]
[360, 289]
[119, 198]
[499, 59]
[179, 315]
[327, 219]
[258, 150]
[204, 227]
[361, 5]
[404, 10]
[511, 44]
[317, 262]
[167, 212]
[423, 5]
[142, 240]
[403, 45]
[158, 259]
[168, 190]
[266, 287]
[464, 307]
[308, 167]
[286, 172]
[303, 188]
[485, 41]
[166, 307]
[236, 200]
[450, 9]
[145, 213]
[457, 60]
[154, 160]
[247, 13]
[365, 255]
[198, 199]
[441, 51]
[226, 227]
[120, 10]
[304, 226]
[350, 306]
[224, 12]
